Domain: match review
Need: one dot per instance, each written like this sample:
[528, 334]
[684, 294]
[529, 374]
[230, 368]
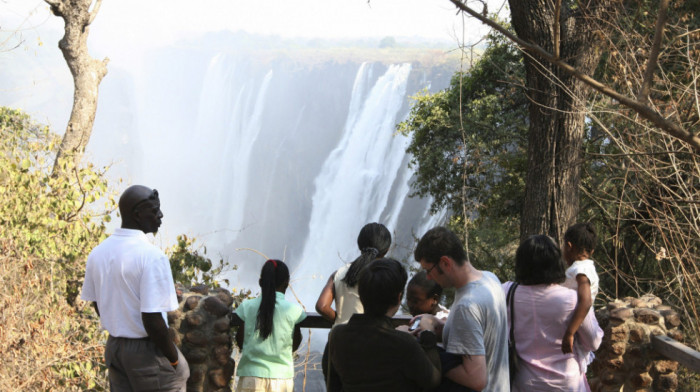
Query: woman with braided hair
[269, 335]
[373, 241]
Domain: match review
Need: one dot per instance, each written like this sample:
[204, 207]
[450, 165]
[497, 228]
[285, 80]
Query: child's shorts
[257, 384]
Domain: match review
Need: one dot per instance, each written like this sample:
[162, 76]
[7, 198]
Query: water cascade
[354, 185]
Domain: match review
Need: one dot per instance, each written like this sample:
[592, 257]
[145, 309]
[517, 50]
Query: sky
[124, 29]
[160, 22]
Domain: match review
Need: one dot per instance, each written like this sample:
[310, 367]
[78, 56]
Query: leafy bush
[192, 268]
[47, 228]
[45, 216]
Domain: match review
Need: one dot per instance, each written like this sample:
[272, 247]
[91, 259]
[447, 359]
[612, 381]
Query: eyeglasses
[152, 196]
[429, 270]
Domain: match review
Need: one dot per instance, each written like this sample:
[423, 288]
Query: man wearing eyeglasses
[131, 287]
[476, 329]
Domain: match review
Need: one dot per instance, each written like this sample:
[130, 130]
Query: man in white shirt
[476, 328]
[131, 286]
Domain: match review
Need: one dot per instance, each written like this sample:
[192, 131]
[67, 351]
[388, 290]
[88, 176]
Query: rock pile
[625, 360]
[201, 328]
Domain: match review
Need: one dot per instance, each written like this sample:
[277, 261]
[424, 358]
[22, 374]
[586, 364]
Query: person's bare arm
[583, 305]
[472, 373]
[323, 305]
[240, 335]
[158, 333]
[296, 338]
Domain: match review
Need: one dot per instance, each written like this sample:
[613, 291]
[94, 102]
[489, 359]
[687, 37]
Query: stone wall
[625, 360]
[201, 328]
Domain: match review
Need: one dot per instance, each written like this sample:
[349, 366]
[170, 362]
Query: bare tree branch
[646, 112]
[643, 95]
[557, 29]
[695, 77]
[56, 7]
[96, 9]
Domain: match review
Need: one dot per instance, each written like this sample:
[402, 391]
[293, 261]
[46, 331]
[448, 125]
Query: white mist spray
[355, 183]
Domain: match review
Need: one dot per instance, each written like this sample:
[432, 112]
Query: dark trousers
[137, 365]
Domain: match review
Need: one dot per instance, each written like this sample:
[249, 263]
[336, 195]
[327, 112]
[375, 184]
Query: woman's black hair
[374, 241]
[431, 288]
[582, 236]
[274, 275]
[538, 261]
[380, 285]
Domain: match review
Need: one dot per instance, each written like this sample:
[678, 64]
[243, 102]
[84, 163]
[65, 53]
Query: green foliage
[47, 228]
[190, 267]
[472, 135]
[468, 147]
[43, 215]
[88, 372]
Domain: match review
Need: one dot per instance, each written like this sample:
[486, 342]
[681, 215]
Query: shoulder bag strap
[511, 303]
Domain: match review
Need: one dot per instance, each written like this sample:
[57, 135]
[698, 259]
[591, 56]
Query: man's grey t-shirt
[477, 325]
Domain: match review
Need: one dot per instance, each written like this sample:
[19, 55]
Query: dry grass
[46, 344]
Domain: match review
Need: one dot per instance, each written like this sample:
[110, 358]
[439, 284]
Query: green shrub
[47, 228]
[191, 267]
[48, 217]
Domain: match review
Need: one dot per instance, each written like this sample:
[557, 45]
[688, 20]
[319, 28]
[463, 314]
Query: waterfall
[239, 141]
[356, 181]
[352, 188]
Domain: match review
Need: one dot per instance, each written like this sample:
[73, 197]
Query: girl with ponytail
[373, 241]
[269, 334]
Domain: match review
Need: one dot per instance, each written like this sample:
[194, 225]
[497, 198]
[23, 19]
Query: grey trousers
[136, 365]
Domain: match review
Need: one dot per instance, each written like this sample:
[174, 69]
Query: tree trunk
[87, 75]
[557, 113]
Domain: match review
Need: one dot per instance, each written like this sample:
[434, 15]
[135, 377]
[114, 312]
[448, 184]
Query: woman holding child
[542, 309]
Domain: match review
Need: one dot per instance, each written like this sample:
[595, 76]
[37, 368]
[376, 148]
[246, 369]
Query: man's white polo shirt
[126, 275]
